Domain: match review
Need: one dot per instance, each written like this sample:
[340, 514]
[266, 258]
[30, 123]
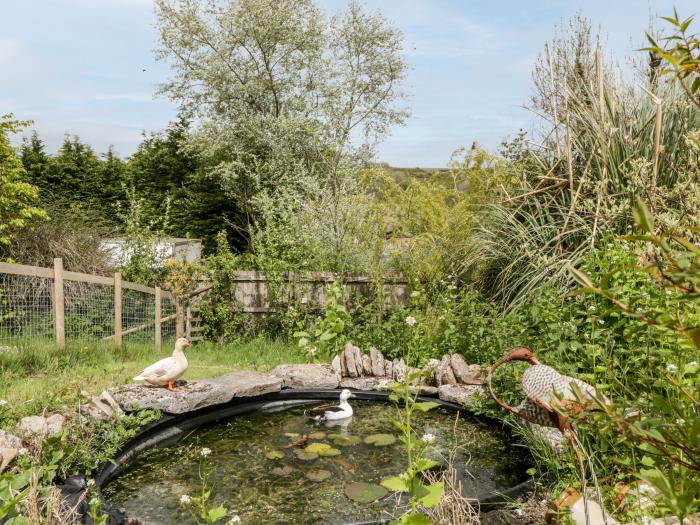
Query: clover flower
[410, 320]
[236, 519]
[428, 438]
[185, 499]
[205, 452]
[2, 402]
[671, 369]
[415, 293]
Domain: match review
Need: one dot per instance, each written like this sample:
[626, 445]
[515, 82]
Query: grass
[35, 377]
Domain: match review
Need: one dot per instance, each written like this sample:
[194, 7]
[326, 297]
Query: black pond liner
[171, 429]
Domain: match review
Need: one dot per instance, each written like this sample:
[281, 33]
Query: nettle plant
[329, 332]
[666, 437]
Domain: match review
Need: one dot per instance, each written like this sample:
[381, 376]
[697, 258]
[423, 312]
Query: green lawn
[37, 377]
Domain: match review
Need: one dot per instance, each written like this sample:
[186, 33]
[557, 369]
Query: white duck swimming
[168, 370]
[332, 412]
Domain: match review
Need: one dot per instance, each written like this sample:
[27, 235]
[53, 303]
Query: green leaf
[430, 495]
[424, 406]
[414, 519]
[217, 513]
[643, 218]
[424, 464]
[396, 484]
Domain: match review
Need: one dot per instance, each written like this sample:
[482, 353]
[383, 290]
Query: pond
[256, 473]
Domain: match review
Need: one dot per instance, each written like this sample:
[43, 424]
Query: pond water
[255, 473]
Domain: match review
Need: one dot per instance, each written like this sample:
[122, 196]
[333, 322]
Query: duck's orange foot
[170, 386]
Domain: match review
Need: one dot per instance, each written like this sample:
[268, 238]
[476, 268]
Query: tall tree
[17, 197]
[280, 91]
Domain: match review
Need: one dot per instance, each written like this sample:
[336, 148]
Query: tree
[17, 197]
[280, 91]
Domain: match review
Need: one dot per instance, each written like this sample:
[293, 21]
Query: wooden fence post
[158, 321]
[118, 310]
[59, 326]
[179, 318]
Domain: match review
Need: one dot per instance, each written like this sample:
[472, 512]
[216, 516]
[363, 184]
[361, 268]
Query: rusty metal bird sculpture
[551, 398]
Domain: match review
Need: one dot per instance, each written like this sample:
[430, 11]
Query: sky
[87, 67]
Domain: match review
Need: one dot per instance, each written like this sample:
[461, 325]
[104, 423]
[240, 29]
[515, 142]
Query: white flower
[303, 300]
[2, 402]
[680, 421]
[415, 293]
[236, 519]
[646, 520]
[94, 502]
[205, 452]
[645, 295]
[428, 438]
[592, 308]
[410, 320]
[185, 499]
[693, 363]
[669, 292]
[600, 321]
[91, 483]
[671, 369]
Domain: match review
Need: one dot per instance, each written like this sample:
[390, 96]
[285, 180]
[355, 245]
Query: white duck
[332, 412]
[168, 370]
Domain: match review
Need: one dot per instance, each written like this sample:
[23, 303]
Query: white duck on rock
[168, 370]
[332, 412]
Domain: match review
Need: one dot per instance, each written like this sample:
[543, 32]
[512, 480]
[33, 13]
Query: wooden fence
[59, 276]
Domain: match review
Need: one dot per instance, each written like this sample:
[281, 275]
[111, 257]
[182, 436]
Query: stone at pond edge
[464, 373]
[459, 394]
[349, 359]
[444, 373]
[6, 456]
[357, 354]
[364, 492]
[335, 366]
[425, 390]
[399, 367]
[40, 426]
[306, 376]
[197, 394]
[8, 440]
[389, 369]
[318, 475]
[432, 365]
[377, 362]
[366, 365]
[366, 383]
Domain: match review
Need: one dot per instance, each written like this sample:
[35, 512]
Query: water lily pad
[380, 440]
[329, 452]
[291, 434]
[318, 475]
[304, 455]
[317, 435]
[343, 441]
[364, 492]
[274, 454]
[283, 471]
[317, 447]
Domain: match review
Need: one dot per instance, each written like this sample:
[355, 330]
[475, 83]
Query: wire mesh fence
[30, 312]
[25, 309]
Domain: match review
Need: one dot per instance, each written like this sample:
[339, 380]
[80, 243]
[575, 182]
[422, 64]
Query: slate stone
[32, 426]
[399, 370]
[357, 355]
[389, 369]
[366, 365]
[377, 362]
[335, 365]
[349, 355]
[432, 365]
[444, 373]
[307, 376]
[464, 373]
[459, 394]
[366, 383]
[194, 395]
[8, 440]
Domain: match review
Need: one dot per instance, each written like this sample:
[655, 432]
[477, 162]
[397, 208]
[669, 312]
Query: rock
[366, 365]
[464, 373]
[54, 424]
[197, 394]
[389, 369]
[444, 373]
[425, 390]
[32, 426]
[102, 407]
[459, 394]
[366, 383]
[306, 376]
[378, 360]
[359, 366]
[8, 440]
[335, 365]
[6, 456]
[432, 365]
[349, 355]
[399, 370]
